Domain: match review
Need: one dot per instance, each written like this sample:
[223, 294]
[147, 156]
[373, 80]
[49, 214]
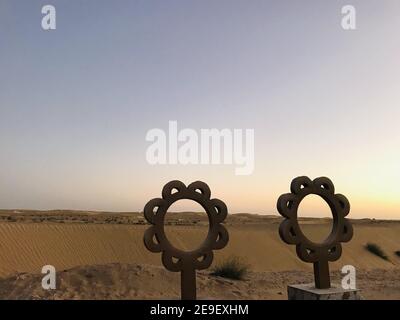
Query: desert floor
[100, 255]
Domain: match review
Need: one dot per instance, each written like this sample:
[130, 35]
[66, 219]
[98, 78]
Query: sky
[76, 102]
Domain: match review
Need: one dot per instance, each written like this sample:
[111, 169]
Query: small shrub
[376, 250]
[231, 268]
[397, 253]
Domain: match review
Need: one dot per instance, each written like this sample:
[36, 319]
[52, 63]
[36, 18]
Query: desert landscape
[100, 255]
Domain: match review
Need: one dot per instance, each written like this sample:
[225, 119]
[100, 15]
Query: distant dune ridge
[113, 242]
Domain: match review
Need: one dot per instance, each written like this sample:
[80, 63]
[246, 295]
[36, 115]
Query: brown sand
[110, 246]
[128, 281]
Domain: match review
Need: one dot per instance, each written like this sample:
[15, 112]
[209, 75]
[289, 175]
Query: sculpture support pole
[188, 284]
[321, 274]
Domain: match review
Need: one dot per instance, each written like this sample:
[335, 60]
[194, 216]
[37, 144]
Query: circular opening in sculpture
[315, 218]
[186, 225]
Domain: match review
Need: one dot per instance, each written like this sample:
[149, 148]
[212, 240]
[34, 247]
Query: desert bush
[397, 253]
[376, 250]
[231, 268]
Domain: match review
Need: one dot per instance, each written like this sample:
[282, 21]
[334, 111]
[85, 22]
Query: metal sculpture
[176, 260]
[290, 232]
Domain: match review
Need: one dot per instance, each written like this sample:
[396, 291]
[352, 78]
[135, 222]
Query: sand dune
[84, 239]
[26, 247]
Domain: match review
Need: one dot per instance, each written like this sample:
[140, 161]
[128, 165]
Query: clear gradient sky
[76, 103]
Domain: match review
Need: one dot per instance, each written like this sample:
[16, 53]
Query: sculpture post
[175, 260]
[317, 253]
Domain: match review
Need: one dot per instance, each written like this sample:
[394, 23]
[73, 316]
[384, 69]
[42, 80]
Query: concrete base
[309, 292]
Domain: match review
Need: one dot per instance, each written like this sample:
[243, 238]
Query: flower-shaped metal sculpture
[176, 260]
[290, 232]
